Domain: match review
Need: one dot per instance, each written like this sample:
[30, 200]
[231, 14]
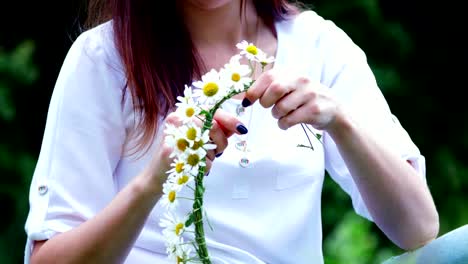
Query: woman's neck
[221, 26]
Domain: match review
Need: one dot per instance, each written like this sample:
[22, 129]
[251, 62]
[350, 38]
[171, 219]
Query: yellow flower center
[171, 196]
[210, 89]
[180, 260]
[179, 167]
[179, 228]
[235, 77]
[183, 179]
[189, 112]
[197, 144]
[182, 144]
[191, 133]
[193, 159]
[252, 49]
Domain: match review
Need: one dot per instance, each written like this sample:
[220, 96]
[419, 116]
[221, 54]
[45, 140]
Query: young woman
[96, 189]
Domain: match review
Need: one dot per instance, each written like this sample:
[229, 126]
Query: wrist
[149, 184]
[341, 127]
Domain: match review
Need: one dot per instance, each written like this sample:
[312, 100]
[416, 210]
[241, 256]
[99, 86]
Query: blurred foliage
[17, 75]
[412, 67]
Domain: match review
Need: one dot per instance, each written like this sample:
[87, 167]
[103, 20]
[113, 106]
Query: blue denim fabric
[451, 248]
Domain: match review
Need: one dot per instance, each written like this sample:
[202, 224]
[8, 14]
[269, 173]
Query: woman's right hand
[224, 126]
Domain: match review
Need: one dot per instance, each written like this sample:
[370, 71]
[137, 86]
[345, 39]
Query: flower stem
[202, 249]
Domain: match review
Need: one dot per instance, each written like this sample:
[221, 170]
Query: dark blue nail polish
[246, 102]
[219, 154]
[242, 129]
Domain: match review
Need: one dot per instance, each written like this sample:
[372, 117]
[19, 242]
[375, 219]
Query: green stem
[202, 249]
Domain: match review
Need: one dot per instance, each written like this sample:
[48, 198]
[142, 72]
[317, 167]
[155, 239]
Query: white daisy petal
[210, 89]
[236, 75]
[249, 50]
[169, 198]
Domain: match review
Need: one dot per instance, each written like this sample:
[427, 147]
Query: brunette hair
[157, 51]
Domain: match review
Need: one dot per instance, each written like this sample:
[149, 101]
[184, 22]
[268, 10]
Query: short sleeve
[82, 143]
[353, 84]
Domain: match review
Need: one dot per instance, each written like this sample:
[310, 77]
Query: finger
[229, 124]
[258, 88]
[291, 102]
[218, 137]
[210, 155]
[208, 166]
[274, 93]
[173, 119]
[295, 117]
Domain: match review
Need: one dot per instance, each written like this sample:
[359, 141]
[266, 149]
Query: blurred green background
[415, 49]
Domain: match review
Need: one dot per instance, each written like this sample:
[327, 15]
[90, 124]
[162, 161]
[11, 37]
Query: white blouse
[269, 212]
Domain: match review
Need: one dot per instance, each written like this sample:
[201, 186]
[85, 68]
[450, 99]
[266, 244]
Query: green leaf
[189, 221]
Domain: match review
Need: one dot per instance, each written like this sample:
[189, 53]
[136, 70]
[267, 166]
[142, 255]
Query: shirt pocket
[297, 163]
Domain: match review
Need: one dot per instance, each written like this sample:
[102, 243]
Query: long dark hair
[157, 52]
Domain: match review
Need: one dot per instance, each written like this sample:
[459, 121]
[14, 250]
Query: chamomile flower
[235, 74]
[211, 88]
[188, 111]
[178, 252]
[203, 142]
[191, 133]
[178, 142]
[169, 198]
[170, 130]
[173, 226]
[188, 95]
[187, 108]
[179, 167]
[181, 180]
[248, 49]
[263, 59]
[194, 158]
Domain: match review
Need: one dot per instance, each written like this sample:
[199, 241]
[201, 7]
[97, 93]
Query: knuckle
[268, 76]
[276, 88]
[253, 94]
[302, 80]
[281, 109]
[172, 118]
[315, 109]
[311, 94]
[264, 103]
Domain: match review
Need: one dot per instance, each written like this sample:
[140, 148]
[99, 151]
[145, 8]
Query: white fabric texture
[268, 213]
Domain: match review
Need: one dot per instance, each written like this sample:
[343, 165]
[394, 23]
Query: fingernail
[219, 154]
[242, 129]
[246, 102]
[208, 173]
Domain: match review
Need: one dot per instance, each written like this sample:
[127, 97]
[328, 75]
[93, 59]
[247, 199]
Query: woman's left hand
[295, 100]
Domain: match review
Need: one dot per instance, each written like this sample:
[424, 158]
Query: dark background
[414, 47]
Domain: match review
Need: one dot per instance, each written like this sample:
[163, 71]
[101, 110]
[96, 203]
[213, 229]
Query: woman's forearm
[109, 236]
[395, 195]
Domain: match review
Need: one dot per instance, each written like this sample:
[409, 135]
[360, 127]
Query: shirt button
[42, 189]
[240, 110]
